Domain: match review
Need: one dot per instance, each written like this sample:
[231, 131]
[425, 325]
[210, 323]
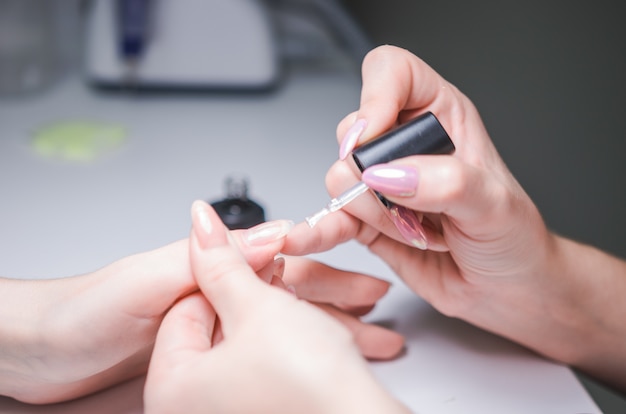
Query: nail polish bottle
[236, 210]
[422, 135]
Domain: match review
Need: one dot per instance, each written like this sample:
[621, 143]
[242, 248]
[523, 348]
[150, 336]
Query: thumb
[187, 327]
[397, 86]
[219, 268]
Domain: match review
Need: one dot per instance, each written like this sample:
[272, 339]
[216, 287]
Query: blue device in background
[133, 28]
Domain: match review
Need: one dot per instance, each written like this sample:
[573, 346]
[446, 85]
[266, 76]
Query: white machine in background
[191, 44]
[219, 44]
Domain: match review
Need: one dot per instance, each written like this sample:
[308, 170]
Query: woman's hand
[61, 339]
[275, 353]
[80, 334]
[480, 228]
[346, 296]
[488, 258]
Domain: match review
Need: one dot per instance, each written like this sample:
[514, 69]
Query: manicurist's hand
[275, 353]
[470, 240]
[477, 224]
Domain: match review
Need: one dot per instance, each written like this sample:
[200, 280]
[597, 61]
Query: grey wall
[549, 79]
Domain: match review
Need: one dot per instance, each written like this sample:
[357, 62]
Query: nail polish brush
[338, 203]
[422, 135]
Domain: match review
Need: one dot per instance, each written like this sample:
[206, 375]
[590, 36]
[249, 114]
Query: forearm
[18, 334]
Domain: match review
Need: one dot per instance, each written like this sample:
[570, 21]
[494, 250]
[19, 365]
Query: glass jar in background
[38, 41]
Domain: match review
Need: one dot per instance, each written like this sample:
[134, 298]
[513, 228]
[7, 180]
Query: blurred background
[547, 77]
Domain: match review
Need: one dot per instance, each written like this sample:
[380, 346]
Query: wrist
[358, 391]
[20, 339]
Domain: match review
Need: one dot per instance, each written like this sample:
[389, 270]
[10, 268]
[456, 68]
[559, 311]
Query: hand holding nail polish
[422, 135]
[490, 258]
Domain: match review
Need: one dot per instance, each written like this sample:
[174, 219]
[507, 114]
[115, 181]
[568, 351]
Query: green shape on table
[80, 141]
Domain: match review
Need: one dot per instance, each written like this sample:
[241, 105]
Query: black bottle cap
[237, 211]
[422, 135]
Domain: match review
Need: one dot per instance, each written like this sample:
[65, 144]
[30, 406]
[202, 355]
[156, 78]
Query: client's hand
[61, 339]
[275, 353]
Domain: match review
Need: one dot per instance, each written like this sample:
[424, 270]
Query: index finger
[188, 325]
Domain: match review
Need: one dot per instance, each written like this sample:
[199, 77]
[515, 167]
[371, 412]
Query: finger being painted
[317, 282]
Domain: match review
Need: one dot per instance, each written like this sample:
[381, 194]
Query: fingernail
[351, 138]
[267, 232]
[397, 180]
[279, 267]
[291, 289]
[409, 226]
[202, 226]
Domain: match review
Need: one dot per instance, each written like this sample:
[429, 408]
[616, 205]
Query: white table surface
[59, 219]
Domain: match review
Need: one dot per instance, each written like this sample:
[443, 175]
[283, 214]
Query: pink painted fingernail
[351, 138]
[279, 267]
[409, 226]
[291, 289]
[267, 232]
[202, 226]
[397, 180]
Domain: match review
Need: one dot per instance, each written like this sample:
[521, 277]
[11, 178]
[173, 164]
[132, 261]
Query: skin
[491, 260]
[276, 354]
[65, 338]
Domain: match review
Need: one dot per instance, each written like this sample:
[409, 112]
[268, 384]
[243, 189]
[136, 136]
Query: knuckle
[454, 181]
